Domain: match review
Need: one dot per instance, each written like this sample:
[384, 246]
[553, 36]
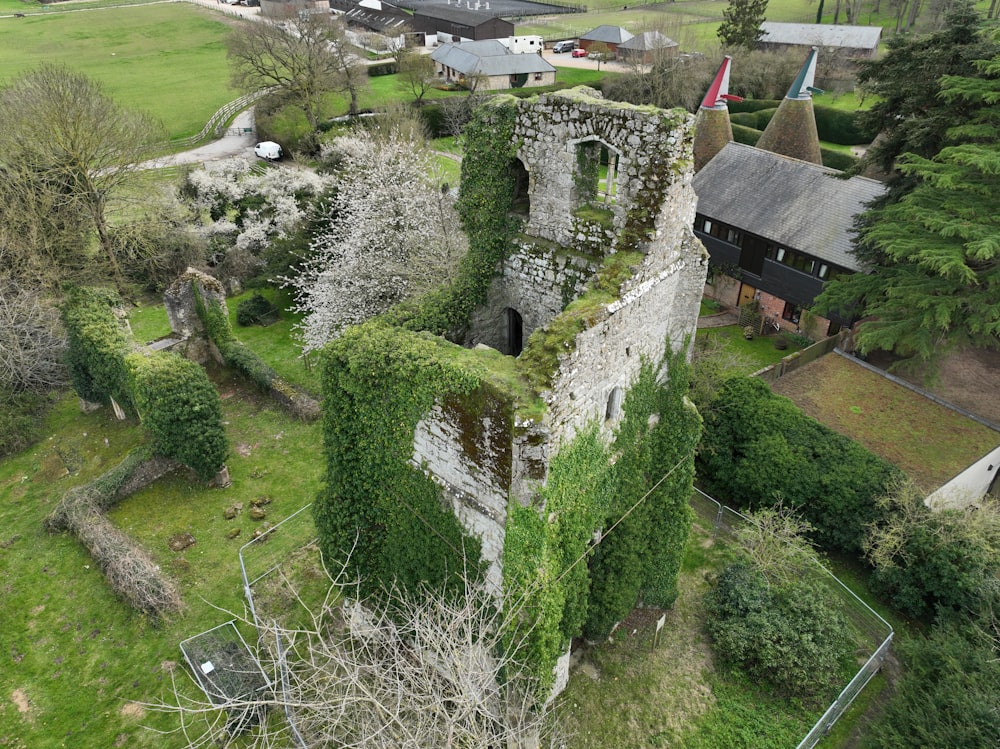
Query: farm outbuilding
[493, 63]
[454, 24]
[647, 47]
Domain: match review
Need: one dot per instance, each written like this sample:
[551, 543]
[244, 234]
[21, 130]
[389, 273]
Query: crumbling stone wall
[549, 267]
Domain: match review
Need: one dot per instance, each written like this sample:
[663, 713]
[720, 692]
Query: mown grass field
[166, 59]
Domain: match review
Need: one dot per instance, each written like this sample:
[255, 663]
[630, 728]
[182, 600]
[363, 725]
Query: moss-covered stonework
[441, 457]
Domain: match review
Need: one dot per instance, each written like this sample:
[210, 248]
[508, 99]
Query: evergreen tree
[935, 280]
[741, 22]
[908, 114]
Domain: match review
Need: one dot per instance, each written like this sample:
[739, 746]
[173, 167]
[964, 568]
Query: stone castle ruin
[484, 455]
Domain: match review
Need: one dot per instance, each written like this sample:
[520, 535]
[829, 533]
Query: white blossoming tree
[248, 210]
[392, 233]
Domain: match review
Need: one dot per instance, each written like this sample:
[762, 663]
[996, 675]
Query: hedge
[180, 409]
[97, 346]
[758, 449]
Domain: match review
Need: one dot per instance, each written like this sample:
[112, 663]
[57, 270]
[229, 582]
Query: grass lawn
[78, 664]
[930, 443]
[167, 59]
[760, 350]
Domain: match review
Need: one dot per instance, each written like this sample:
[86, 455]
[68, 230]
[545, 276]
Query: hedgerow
[180, 409]
[758, 448]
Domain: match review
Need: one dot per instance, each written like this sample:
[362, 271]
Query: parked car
[268, 149]
[565, 46]
[579, 53]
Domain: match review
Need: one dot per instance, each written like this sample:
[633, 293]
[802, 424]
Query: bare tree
[399, 671]
[74, 145]
[31, 342]
[306, 56]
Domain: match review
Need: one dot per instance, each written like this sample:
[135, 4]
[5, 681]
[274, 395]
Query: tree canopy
[306, 57]
[741, 22]
[935, 252]
[65, 149]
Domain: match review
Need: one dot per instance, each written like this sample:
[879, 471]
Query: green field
[167, 59]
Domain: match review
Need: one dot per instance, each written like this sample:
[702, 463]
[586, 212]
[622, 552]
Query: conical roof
[792, 129]
[712, 128]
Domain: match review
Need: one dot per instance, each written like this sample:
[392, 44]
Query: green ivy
[97, 346]
[376, 508]
[234, 353]
[652, 478]
[180, 409]
[485, 199]
[572, 586]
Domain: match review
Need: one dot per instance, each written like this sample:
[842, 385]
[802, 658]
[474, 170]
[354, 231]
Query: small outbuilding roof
[607, 34]
[648, 41]
[821, 35]
[489, 57]
[794, 203]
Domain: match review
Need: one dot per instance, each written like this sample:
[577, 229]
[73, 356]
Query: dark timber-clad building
[779, 228]
[452, 23]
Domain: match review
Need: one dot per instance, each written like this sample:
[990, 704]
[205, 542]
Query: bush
[22, 418]
[97, 346]
[434, 119]
[788, 635]
[180, 409]
[837, 126]
[947, 697]
[758, 448]
[389, 67]
[256, 310]
[935, 562]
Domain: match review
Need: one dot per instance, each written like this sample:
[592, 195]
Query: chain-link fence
[871, 631]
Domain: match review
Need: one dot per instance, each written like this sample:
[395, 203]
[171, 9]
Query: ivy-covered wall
[172, 397]
[633, 493]
[443, 459]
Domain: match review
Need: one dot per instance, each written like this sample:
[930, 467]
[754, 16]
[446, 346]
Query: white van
[268, 149]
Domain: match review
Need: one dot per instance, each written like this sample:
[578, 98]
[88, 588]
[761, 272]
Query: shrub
[758, 448]
[947, 696]
[21, 420]
[935, 562]
[256, 310]
[787, 635]
[97, 346]
[837, 126]
[180, 409]
[434, 119]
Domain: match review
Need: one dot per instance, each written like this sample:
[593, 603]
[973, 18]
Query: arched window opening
[521, 204]
[614, 410]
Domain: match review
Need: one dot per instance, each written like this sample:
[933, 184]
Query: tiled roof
[489, 57]
[607, 34]
[648, 40]
[794, 203]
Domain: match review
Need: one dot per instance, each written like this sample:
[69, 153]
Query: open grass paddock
[167, 59]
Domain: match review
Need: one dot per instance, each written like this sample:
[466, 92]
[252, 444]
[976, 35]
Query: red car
[579, 53]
